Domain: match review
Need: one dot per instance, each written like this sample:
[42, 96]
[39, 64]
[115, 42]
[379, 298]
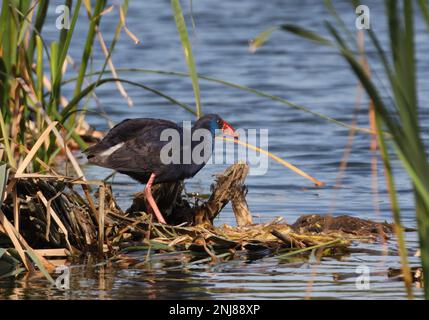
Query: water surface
[287, 67]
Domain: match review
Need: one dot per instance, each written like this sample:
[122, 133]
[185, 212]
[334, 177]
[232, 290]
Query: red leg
[151, 201]
[148, 207]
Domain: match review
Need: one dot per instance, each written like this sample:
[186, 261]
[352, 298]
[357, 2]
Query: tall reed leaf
[4, 174]
[424, 8]
[71, 107]
[95, 20]
[184, 38]
[400, 118]
[238, 87]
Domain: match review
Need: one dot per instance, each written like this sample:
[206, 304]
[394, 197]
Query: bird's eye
[219, 122]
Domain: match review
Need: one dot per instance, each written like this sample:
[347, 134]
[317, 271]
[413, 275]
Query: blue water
[288, 67]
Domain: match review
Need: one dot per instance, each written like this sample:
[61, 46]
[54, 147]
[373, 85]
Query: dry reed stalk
[34, 150]
[129, 33]
[61, 252]
[288, 240]
[373, 148]
[229, 186]
[91, 204]
[51, 212]
[106, 11]
[45, 263]
[16, 205]
[39, 161]
[342, 167]
[276, 158]
[16, 119]
[82, 125]
[240, 208]
[101, 217]
[8, 228]
[62, 144]
[119, 85]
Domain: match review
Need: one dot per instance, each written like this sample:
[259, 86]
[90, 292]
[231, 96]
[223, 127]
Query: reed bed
[395, 122]
[44, 218]
[46, 215]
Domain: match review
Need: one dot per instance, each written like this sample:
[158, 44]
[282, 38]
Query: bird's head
[216, 122]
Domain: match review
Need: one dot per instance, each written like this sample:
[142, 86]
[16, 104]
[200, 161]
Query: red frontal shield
[228, 130]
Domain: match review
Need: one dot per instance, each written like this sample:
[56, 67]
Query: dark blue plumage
[133, 148]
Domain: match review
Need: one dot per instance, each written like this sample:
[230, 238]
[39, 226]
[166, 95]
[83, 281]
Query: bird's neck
[203, 123]
[208, 132]
[204, 141]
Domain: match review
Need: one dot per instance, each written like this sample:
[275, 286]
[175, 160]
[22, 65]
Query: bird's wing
[140, 153]
[125, 131]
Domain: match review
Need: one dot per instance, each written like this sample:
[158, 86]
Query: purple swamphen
[135, 147]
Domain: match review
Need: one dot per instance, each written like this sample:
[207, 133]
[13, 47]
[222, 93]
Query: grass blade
[238, 87]
[34, 150]
[425, 11]
[95, 20]
[4, 174]
[261, 38]
[70, 108]
[184, 38]
[307, 34]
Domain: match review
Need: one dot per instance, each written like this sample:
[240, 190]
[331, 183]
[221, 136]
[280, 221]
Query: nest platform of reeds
[43, 220]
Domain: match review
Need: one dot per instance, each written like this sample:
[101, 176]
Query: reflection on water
[241, 278]
[288, 67]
